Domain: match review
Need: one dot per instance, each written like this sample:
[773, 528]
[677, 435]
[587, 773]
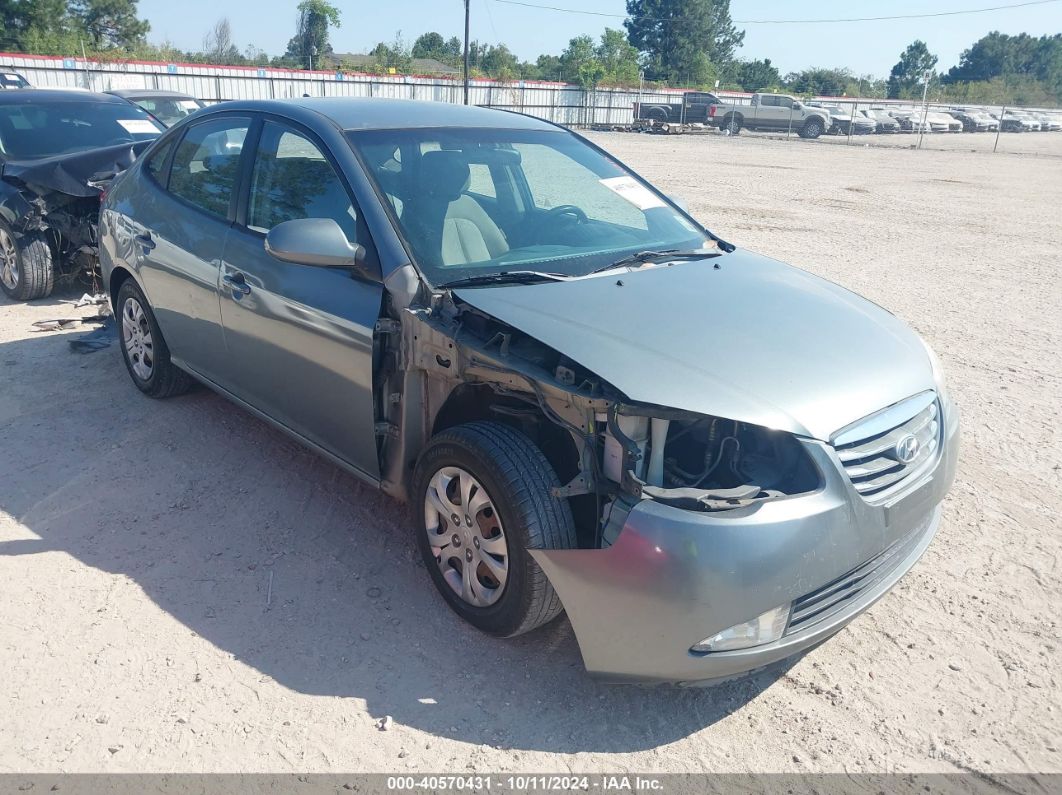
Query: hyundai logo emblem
[907, 449]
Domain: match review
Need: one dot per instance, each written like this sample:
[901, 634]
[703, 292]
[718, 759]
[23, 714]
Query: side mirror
[797, 106]
[313, 241]
[679, 202]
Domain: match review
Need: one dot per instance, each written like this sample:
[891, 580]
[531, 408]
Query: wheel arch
[119, 275]
[469, 402]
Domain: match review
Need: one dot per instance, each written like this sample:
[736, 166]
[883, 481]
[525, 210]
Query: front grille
[820, 604]
[871, 450]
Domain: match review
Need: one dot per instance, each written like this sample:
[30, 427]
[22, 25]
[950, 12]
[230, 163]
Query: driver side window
[293, 179]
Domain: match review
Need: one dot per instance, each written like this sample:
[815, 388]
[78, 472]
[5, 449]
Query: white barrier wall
[556, 102]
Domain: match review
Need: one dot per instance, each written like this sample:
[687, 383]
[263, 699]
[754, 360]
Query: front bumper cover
[674, 577]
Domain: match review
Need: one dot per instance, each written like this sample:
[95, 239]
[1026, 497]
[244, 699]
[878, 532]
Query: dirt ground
[184, 589]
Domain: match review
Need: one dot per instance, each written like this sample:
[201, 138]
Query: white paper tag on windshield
[188, 104]
[138, 126]
[634, 192]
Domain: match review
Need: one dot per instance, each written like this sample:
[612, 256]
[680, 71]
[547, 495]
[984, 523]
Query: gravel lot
[184, 589]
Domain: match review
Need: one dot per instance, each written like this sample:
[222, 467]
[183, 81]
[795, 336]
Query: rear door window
[206, 164]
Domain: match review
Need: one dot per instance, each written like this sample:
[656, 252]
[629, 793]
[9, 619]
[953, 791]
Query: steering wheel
[562, 210]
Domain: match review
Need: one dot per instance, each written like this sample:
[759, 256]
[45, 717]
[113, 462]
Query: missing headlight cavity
[704, 463]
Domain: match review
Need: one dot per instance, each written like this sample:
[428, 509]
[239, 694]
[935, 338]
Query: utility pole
[466, 51]
[925, 108]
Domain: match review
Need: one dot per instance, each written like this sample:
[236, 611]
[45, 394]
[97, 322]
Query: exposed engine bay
[58, 199]
[452, 363]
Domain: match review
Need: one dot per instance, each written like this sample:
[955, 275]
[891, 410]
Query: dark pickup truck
[695, 107]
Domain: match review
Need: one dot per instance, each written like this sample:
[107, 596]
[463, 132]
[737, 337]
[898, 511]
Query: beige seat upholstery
[455, 229]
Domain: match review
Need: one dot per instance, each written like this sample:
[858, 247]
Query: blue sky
[864, 47]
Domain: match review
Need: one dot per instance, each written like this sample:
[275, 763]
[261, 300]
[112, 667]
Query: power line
[790, 21]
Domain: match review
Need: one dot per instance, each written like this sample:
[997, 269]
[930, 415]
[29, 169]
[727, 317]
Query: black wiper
[505, 277]
[643, 257]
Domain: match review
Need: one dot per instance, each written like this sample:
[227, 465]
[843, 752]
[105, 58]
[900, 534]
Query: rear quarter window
[156, 162]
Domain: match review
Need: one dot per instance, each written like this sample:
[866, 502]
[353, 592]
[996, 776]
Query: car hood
[740, 336]
[71, 173]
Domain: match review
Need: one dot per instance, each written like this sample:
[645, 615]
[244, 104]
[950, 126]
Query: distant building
[358, 62]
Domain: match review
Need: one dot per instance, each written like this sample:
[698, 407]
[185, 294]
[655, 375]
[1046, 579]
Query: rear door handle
[237, 283]
[145, 242]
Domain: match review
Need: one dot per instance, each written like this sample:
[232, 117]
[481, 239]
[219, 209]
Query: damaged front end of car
[448, 363]
[57, 200]
[707, 544]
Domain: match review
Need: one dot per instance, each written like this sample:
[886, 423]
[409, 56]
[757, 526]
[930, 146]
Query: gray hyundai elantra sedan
[709, 459]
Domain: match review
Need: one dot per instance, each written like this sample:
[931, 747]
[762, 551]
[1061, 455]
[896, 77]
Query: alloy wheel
[466, 536]
[8, 261]
[136, 336]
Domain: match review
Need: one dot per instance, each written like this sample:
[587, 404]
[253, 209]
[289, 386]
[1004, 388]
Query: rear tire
[147, 358]
[483, 493]
[27, 268]
[731, 124]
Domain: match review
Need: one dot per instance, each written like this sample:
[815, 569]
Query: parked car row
[782, 112]
[892, 119]
[439, 299]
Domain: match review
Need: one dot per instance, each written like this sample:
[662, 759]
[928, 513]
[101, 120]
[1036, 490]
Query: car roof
[134, 93]
[33, 95]
[364, 113]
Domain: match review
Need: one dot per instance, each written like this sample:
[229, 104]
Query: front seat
[451, 227]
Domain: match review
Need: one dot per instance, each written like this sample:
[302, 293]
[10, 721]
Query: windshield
[30, 130]
[169, 110]
[471, 202]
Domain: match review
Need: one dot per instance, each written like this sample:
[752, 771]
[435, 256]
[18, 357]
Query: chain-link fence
[865, 122]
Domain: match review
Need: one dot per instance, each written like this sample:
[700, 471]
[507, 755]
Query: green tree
[910, 71]
[430, 45]
[579, 63]
[618, 58]
[395, 55]
[500, 63]
[110, 23]
[43, 26]
[1014, 60]
[820, 82]
[311, 31]
[755, 75]
[683, 41]
[548, 67]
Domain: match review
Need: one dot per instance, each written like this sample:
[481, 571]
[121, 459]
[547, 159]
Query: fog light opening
[765, 628]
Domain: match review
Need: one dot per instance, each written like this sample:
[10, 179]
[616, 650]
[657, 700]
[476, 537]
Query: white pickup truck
[770, 112]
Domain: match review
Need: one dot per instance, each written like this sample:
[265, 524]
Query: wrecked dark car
[58, 151]
[708, 459]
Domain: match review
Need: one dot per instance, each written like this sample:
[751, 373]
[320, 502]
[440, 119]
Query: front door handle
[237, 283]
[145, 242]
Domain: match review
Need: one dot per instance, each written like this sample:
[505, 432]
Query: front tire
[27, 270]
[147, 358]
[812, 129]
[483, 495]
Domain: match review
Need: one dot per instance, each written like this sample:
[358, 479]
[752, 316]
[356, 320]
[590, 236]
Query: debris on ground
[97, 339]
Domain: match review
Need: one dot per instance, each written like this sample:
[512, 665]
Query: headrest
[444, 174]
